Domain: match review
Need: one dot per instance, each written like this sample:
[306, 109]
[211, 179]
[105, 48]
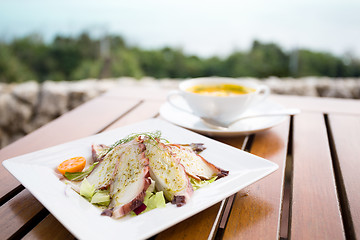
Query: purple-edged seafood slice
[195, 165]
[168, 173]
[98, 151]
[104, 172]
[131, 181]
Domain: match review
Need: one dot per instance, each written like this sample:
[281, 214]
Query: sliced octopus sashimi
[195, 165]
[131, 181]
[196, 147]
[103, 174]
[168, 173]
[98, 152]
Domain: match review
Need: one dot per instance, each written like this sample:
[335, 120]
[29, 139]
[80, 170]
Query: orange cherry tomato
[75, 164]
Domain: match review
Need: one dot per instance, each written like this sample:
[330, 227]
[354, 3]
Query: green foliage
[11, 69]
[124, 63]
[33, 53]
[238, 64]
[263, 60]
[268, 60]
[67, 54]
[152, 63]
[353, 68]
[214, 66]
[81, 57]
[87, 69]
[319, 64]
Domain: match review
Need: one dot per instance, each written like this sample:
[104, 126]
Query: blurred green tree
[87, 69]
[152, 62]
[261, 61]
[80, 57]
[238, 64]
[123, 63]
[214, 66]
[67, 55]
[268, 60]
[319, 64]
[33, 53]
[11, 69]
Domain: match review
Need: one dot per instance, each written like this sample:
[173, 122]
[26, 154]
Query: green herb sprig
[78, 176]
[153, 136]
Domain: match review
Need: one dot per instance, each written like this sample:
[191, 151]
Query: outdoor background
[56, 55]
[73, 40]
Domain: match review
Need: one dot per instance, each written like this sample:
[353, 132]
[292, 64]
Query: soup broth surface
[220, 90]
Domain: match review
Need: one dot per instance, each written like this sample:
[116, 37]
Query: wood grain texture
[257, 208]
[17, 212]
[49, 228]
[237, 142]
[315, 212]
[134, 92]
[316, 104]
[146, 110]
[345, 130]
[196, 227]
[88, 119]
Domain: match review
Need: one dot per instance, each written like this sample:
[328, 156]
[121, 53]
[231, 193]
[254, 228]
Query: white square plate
[36, 172]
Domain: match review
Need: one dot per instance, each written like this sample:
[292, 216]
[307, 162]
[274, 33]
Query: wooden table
[315, 193]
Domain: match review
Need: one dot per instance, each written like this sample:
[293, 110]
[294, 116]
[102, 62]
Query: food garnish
[87, 190]
[75, 164]
[154, 136]
[201, 183]
[78, 176]
[152, 200]
[99, 197]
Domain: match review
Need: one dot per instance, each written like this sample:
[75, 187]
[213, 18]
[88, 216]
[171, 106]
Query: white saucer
[242, 127]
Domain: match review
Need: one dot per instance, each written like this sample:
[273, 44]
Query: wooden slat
[315, 212]
[306, 103]
[49, 228]
[346, 138]
[147, 109]
[200, 225]
[316, 104]
[197, 227]
[86, 120]
[17, 212]
[256, 209]
[149, 93]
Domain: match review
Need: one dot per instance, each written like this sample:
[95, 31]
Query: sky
[201, 27]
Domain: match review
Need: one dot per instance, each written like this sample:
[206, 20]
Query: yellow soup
[220, 89]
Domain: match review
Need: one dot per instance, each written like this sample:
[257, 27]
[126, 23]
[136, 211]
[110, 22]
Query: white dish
[242, 127]
[36, 172]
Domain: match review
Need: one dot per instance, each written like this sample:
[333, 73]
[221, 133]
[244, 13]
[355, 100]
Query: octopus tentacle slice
[103, 173]
[125, 172]
[168, 173]
[131, 181]
[195, 165]
[98, 152]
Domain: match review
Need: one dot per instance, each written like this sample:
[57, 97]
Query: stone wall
[27, 106]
